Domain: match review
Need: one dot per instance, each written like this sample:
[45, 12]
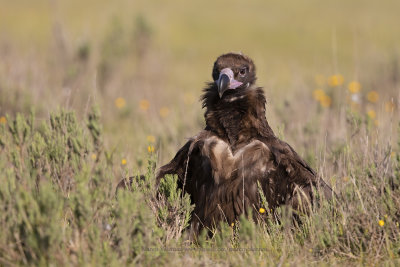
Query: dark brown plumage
[220, 166]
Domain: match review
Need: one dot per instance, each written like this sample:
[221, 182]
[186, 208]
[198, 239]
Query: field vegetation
[92, 92]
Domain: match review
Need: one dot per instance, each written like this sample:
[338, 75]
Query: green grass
[87, 87]
[60, 206]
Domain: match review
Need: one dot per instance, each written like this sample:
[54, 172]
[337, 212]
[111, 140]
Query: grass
[88, 98]
[61, 206]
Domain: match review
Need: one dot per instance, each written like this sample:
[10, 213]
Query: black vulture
[223, 164]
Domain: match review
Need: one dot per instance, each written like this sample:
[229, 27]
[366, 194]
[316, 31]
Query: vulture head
[233, 73]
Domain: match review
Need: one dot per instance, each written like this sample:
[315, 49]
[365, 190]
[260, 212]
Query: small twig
[243, 183]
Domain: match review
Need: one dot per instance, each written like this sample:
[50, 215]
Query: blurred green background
[144, 63]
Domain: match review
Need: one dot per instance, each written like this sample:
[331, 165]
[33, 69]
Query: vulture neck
[237, 118]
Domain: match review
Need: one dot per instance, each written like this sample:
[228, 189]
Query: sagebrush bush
[60, 206]
[59, 200]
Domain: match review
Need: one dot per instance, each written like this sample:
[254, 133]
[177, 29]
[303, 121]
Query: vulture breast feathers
[222, 165]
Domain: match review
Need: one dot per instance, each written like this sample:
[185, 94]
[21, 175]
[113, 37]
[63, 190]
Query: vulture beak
[226, 81]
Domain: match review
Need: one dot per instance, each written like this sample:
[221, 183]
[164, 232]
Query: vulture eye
[243, 71]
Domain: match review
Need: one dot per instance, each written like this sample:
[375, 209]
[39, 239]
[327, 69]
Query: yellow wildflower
[3, 120]
[94, 156]
[373, 96]
[319, 79]
[144, 104]
[232, 224]
[164, 112]
[120, 102]
[354, 87]
[381, 223]
[335, 80]
[371, 114]
[262, 210]
[318, 94]
[150, 149]
[123, 161]
[326, 101]
[389, 106]
[151, 139]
